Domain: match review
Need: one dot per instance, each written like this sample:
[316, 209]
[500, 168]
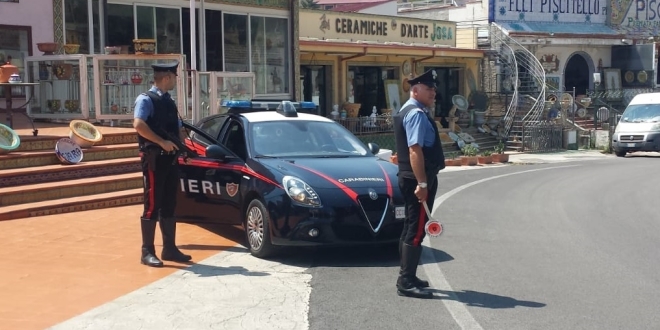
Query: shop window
[15, 46]
[270, 63]
[76, 24]
[161, 24]
[236, 43]
[120, 23]
[214, 40]
[366, 86]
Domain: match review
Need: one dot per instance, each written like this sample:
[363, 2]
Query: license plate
[631, 145]
[400, 212]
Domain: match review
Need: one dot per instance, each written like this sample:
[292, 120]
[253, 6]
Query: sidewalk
[59, 266]
[519, 158]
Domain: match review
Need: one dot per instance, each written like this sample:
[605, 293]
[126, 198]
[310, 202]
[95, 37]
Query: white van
[639, 126]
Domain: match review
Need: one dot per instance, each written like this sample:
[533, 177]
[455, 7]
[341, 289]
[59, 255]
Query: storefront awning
[567, 30]
[353, 49]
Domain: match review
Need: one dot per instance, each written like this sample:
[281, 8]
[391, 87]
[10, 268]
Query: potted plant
[486, 157]
[499, 155]
[469, 155]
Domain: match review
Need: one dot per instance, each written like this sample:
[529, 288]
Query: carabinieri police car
[289, 177]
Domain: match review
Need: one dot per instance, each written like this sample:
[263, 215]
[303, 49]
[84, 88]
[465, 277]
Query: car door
[206, 184]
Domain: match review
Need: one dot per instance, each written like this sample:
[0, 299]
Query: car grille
[374, 210]
[630, 137]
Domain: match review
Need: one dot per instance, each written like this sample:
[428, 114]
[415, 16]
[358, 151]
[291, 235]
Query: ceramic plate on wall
[460, 102]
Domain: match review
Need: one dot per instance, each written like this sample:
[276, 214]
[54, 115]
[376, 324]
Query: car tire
[257, 230]
[620, 153]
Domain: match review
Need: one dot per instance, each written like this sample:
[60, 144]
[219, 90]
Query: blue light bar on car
[251, 106]
[237, 104]
[307, 105]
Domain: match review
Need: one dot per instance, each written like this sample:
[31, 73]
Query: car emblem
[232, 189]
[372, 194]
[632, 138]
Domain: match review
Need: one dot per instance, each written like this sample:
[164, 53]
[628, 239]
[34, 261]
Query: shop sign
[640, 14]
[550, 63]
[559, 11]
[354, 27]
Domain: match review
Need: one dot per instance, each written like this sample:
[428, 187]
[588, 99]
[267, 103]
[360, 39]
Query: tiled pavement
[58, 266]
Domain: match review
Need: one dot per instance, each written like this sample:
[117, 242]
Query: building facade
[365, 61]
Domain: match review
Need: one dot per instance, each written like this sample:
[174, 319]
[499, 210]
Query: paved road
[559, 244]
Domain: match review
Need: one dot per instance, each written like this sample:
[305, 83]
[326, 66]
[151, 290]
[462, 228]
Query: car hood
[327, 173]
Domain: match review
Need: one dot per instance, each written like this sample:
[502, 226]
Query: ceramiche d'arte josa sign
[361, 27]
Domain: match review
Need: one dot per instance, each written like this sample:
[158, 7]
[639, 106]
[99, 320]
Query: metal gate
[542, 137]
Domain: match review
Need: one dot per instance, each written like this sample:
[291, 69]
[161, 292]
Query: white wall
[477, 12]
[27, 13]
[388, 8]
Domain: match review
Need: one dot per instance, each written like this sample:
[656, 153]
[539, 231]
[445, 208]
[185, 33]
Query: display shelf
[119, 79]
[64, 89]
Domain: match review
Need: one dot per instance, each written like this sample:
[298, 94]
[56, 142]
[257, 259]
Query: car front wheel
[620, 153]
[257, 222]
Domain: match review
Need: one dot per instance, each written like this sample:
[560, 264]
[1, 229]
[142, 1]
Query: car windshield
[642, 113]
[304, 139]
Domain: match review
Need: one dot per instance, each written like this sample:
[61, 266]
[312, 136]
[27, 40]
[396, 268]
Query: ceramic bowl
[9, 140]
[72, 105]
[84, 133]
[68, 152]
[71, 48]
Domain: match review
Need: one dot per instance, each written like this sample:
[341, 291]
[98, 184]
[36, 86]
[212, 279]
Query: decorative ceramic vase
[114, 108]
[6, 71]
[14, 79]
[84, 133]
[62, 71]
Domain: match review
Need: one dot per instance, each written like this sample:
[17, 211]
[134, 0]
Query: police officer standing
[420, 158]
[157, 122]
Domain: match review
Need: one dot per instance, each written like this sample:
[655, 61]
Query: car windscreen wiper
[330, 156]
[264, 156]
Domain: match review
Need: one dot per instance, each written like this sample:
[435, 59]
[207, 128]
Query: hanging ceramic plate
[582, 112]
[629, 76]
[68, 152]
[642, 76]
[460, 102]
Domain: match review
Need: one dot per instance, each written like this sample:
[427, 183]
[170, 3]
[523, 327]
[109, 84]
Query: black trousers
[416, 218]
[160, 174]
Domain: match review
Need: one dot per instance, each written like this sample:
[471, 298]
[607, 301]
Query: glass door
[314, 87]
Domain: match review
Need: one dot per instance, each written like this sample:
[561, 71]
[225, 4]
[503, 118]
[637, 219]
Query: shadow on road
[484, 300]
[210, 271]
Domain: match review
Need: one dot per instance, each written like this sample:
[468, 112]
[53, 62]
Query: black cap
[166, 67]
[427, 78]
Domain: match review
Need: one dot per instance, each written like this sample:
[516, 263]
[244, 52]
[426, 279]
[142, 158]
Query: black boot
[149, 258]
[406, 284]
[170, 251]
[419, 283]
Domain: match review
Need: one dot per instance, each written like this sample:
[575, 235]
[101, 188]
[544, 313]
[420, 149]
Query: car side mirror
[216, 152]
[374, 148]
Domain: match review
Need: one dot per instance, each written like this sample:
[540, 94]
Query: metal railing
[367, 125]
[542, 137]
[535, 75]
[508, 59]
[424, 4]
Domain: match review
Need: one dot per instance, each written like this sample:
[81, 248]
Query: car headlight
[655, 127]
[300, 192]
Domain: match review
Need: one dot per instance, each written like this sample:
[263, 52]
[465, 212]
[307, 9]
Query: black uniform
[414, 232]
[161, 176]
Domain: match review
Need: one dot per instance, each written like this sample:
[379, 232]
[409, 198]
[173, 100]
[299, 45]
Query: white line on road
[432, 266]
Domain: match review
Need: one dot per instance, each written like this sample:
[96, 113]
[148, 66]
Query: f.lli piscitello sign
[378, 28]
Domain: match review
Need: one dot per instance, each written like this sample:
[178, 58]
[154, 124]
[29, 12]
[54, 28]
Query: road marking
[432, 266]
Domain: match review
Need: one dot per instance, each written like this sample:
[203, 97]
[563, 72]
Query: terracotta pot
[48, 48]
[469, 160]
[485, 159]
[6, 71]
[62, 71]
[504, 158]
[495, 157]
